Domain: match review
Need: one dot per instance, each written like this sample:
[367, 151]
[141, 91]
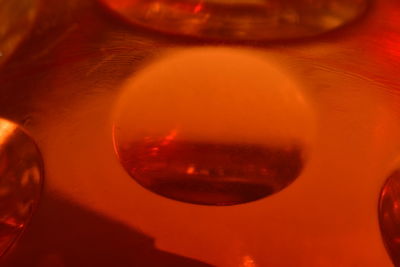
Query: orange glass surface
[67, 81]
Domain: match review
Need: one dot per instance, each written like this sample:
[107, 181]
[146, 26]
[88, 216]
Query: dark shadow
[63, 234]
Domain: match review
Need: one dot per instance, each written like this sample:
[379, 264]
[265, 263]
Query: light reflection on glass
[248, 262]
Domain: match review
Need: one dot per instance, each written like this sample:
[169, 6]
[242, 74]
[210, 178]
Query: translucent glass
[240, 19]
[389, 215]
[16, 20]
[21, 170]
[203, 127]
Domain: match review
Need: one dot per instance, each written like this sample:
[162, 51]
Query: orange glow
[190, 170]
[198, 8]
[248, 261]
[6, 130]
[169, 138]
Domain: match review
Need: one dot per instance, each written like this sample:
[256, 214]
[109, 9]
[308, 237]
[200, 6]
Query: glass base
[240, 19]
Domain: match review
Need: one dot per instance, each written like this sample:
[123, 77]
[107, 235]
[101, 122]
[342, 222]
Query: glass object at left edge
[21, 179]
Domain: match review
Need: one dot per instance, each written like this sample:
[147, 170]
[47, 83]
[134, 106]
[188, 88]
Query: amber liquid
[212, 174]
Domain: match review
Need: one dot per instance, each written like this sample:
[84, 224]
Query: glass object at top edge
[240, 19]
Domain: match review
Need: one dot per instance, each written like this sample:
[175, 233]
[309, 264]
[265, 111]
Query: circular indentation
[213, 126]
[16, 20]
[389, 215]
[240, 19]
[21, 172]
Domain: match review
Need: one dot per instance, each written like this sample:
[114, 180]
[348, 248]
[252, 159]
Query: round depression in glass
[213, 126]
[240, 19]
